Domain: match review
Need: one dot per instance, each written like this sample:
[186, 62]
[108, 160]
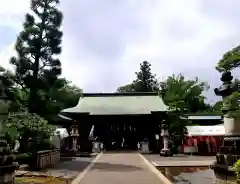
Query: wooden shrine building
[116, 119]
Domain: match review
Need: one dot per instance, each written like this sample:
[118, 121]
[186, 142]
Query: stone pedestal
[7, 175]
[229, 151]
[232, 126]
[96, 147]
[165, 151]
[145, 147]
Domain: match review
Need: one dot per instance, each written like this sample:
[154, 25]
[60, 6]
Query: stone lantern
[229, 151]
[74, 135]
[165, 134]
[7, 165]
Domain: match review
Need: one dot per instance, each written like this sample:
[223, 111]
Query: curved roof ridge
[120, 94]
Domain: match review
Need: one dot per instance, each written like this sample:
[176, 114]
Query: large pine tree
[36, 66]
[145, 80]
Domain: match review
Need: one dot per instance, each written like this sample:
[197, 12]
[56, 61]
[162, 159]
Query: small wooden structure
[205, 134]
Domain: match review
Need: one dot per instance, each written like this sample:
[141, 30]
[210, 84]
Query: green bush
[25, 127]
[237, 169]
[45, 145]
[40, 146]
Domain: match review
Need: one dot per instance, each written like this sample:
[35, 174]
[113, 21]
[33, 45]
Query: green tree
[230, 60]
[218, 106]
[145, 80]
[61, 96]
[36, 67]
[126, 88]
[8, 89]
[183, 95]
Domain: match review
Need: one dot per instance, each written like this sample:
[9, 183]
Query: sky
[105, 41]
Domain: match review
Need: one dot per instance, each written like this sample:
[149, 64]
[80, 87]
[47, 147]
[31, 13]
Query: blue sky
[105, 41]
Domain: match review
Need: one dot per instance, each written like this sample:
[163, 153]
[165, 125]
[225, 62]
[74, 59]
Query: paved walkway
[120, 168]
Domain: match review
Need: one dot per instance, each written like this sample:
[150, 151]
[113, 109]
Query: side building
[204, 133]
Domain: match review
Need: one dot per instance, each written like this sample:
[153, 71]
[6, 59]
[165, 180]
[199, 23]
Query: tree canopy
[230, 60]
[183, 95]
[218, 106]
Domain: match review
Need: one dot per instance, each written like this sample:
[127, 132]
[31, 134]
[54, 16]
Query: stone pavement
[120, 168]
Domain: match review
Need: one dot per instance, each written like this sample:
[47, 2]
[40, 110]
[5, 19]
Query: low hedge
[23, 158]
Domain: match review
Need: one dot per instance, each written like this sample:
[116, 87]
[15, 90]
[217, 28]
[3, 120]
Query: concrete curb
[183, 163]
[81, 175]
[156, 171]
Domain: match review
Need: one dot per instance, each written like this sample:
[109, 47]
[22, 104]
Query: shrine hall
[118, 120]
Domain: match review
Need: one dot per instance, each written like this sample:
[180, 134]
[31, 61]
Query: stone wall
[47, 158]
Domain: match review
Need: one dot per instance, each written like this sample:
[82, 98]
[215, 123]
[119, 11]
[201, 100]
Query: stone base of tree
[7, 174]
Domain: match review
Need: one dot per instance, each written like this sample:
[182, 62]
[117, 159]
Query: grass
[41, 180]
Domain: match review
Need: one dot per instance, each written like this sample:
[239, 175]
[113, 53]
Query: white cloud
[12, 12]
[5, 54]
[105, 41]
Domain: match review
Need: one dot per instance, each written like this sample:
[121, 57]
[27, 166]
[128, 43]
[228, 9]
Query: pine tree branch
[21, 85]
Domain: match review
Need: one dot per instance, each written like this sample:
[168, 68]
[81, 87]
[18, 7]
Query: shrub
[26, 126]
[23, 158]
[237, 169]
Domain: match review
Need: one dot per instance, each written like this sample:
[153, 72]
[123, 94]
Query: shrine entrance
[124, 132]
[121, 137]
[120, 120]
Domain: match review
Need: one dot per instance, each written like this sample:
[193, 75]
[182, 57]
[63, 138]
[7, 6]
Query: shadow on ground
[70, 168]
[115, 167]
